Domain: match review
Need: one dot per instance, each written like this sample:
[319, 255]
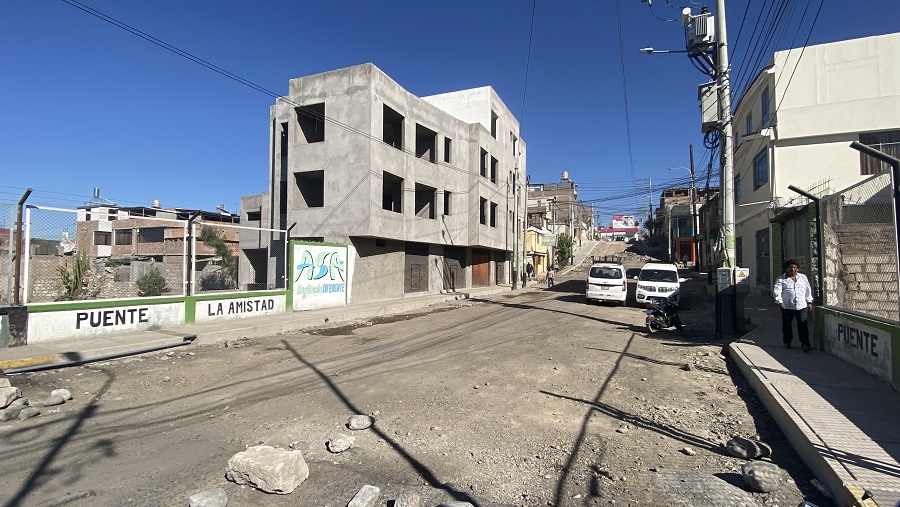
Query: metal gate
[763, 264]
[454, 268]
[481, 264]
[415, 269]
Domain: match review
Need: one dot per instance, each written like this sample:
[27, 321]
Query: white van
[606, 282]
[658, 280]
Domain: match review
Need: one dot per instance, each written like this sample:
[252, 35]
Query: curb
[28, 362]
[803, 438]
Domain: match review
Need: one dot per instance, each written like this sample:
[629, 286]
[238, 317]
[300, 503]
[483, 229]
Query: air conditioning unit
[708, 94]
[700, 32]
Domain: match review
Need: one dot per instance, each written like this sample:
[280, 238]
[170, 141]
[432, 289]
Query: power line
[527, 64]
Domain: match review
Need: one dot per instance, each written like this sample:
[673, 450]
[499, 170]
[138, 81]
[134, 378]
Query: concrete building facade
[428, 191]
[794, 125]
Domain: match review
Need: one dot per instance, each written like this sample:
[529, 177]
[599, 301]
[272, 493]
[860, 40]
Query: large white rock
[9, 395]
[215, 497]
[268, 469]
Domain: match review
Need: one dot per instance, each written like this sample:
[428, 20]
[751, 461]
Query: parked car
[606, 282]
[658, 280]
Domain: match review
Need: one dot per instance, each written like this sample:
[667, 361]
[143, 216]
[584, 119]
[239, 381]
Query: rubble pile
[14, 406]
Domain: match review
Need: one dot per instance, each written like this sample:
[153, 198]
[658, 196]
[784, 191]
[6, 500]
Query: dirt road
[530, 398]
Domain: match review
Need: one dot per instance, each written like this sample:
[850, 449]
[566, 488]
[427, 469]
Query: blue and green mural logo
[320, 271]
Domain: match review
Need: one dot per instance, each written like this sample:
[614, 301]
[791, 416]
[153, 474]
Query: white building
[794, 126]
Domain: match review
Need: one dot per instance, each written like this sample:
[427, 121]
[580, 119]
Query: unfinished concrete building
[428, 191]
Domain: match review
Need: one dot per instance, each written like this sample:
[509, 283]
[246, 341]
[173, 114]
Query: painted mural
[320, 275]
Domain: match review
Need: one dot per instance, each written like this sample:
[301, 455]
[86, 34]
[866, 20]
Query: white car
[658, 280]
[606, 282]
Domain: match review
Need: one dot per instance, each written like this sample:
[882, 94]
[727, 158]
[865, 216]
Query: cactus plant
[73, 281]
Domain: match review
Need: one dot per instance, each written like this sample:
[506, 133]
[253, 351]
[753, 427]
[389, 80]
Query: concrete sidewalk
[842, 421]
[74, 351]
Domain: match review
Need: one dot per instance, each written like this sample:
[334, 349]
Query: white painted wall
[48, 326]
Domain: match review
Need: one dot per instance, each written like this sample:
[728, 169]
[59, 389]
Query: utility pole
[694, 219]
[727, 198]
[651, 221]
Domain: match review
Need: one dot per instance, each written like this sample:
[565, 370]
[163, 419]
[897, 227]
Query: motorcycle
[662, 313]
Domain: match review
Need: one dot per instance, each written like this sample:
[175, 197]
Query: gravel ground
[529, 398]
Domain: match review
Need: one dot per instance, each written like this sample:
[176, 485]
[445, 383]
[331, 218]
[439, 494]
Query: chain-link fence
[221, 264]
[107, 253]
[85, 255]
[860, 249]
[7, 240]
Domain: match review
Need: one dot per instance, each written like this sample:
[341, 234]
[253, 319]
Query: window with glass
[764, 108]
[887, 142]
[123, 237]
[761, 169]
[102, 238]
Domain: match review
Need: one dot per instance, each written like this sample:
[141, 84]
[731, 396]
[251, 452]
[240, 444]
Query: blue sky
[85, 104]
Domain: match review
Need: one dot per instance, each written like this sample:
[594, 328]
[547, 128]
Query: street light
[650, 51]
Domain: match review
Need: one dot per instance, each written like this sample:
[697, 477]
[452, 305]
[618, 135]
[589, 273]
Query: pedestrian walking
[684, 259]
[530, 270]
[794, 295]
[550, 277]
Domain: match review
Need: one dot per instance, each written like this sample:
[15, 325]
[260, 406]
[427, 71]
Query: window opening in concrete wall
[447, 199]
[764, 107]
[737, 188]
[311, 119]
[311, 185]
[426, 143]
[748, 126]
[283, 173]
[494, 121]
[494, 170]
[425, 197]
[887, 142]
[283, 146]
[254, 216]
[448, 144]
[493, 214]
[392, 193]
[151, 235]
[393, 128]
[484, 162]
[761, 169]
[123, 237]
[482, 211]
[515, 144]
[102, 238]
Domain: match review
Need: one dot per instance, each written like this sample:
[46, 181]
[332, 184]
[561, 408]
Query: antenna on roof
[97, 200]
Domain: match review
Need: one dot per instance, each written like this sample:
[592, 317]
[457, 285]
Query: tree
[563, 249]
[151, 284]
[215, 239]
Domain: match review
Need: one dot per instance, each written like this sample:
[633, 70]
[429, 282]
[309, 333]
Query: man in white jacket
[794, 295]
